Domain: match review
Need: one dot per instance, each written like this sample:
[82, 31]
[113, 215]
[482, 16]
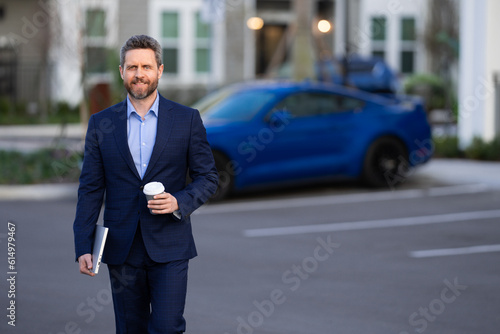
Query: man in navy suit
[145, 138]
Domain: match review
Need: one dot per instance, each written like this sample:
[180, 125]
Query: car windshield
[227, 105]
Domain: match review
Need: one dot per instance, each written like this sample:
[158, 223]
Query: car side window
[315, 104]
[349, 103]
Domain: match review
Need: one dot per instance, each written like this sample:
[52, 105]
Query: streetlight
[324, 26]
[255, 23]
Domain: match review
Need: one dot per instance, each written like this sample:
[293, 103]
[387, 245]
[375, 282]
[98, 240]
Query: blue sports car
[273, 133]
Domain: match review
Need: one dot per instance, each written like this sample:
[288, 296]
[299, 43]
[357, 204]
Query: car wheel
[386, 163]
[226, 176]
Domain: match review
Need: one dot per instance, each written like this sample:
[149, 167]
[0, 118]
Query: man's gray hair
[141, 42]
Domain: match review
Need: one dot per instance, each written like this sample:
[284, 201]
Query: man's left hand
[163, 203]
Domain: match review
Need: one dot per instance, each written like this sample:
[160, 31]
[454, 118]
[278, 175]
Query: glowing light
[255, 23]
[324, 26]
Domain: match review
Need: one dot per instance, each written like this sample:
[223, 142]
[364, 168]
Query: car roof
[287, 86]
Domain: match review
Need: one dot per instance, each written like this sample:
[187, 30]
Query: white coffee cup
[151, 189]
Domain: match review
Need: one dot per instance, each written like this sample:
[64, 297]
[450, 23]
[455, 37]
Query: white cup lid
[153, 188]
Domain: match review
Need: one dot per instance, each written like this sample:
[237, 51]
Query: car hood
[220, 125]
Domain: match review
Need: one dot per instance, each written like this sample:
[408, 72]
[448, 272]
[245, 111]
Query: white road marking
[455, 251]
[341, 199]
[373, 224]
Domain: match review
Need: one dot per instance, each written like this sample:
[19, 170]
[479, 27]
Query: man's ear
[121, 71]
[160, 71]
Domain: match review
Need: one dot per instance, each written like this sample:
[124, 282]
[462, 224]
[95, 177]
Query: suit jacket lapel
[163, 129]
[120, 133]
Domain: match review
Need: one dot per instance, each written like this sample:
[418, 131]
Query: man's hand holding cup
[159, 202]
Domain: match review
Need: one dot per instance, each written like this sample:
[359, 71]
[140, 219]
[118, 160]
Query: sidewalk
[461, 171]
[437, 172]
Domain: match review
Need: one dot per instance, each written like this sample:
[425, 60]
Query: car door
[305, 135]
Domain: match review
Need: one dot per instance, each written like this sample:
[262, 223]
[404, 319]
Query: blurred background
[59, 59]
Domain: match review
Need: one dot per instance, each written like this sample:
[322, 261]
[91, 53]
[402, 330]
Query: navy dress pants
[148, 297]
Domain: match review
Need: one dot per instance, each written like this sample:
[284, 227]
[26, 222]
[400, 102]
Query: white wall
[492, 66]
[65, 54]
[479, 59]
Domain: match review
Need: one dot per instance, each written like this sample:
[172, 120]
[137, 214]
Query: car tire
[386, 163]
[226, 177]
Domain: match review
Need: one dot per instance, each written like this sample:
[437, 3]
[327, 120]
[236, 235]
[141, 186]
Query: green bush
[44, 166]
[430, 87]
[15, 113]
[447, 147]
[480, 150]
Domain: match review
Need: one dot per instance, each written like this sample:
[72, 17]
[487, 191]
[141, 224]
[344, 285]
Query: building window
[96, 23]
[407, 62]
[378, 54]
[96, 32]
[202, 41]
[408, 45]
[170, 24]
[170, 39]
[378, 28]
[96, 60]
[408, 29]
[170, 60]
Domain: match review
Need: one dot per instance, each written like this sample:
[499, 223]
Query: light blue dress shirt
[141, 134]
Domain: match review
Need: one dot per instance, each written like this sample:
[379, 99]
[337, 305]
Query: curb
[39, 192]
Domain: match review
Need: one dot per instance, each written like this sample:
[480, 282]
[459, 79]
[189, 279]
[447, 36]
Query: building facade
[24, 51]
[62, 50]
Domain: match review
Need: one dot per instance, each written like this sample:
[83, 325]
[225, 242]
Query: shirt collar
[154, 107]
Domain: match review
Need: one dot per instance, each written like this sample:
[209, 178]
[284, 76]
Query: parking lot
[333, 258]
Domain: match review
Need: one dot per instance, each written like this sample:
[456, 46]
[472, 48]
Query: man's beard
[139, 95]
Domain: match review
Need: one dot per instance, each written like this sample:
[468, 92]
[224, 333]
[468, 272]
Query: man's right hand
[85, 262]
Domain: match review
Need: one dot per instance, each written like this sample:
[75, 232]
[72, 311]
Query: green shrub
[18, 113]
[481, 150]
[44, 166]
[5, 106]
[62, 112]
[430, 87]
[447, 147]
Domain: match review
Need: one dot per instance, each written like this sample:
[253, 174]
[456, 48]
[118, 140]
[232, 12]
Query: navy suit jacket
[109, 175]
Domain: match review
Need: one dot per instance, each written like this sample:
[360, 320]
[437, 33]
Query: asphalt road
[325, 259]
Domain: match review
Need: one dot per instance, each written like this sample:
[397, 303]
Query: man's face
[140, 73]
